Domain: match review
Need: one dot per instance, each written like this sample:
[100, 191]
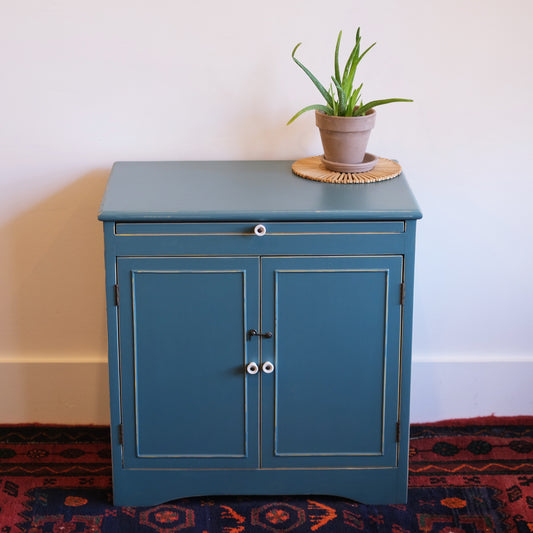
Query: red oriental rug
[465, 476]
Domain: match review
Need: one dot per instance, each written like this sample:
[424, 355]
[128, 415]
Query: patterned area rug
[465, 477]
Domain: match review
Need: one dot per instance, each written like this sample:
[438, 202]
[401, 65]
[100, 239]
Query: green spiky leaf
[353, 69]
[374, 103]
[337, 69]
[342, 97]
[312, 77]
[351, 58]
[319, 107]
[354, 99]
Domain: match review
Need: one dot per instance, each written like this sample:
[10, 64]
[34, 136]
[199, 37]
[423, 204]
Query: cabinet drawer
[258, 238]
[249, 228]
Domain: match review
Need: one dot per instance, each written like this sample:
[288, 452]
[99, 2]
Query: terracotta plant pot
[345, 139]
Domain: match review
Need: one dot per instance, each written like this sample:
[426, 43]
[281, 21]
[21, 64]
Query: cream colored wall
[87, 83]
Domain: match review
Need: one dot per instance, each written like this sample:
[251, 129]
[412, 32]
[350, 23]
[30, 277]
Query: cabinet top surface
[245, 190]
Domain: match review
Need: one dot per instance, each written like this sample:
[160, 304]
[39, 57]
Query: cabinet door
[187, 401]
[332, 399]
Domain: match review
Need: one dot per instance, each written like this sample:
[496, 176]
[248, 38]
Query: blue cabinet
[258, 344]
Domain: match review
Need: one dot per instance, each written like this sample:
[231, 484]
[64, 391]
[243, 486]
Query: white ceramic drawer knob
[252, 368]
[268, 367]
[260, 230]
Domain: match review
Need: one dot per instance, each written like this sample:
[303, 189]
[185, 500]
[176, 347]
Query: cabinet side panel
[113, 342]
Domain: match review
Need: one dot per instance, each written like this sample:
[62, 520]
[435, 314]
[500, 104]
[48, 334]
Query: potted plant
[345, 121]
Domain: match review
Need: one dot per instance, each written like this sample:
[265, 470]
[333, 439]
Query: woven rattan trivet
[313, 168]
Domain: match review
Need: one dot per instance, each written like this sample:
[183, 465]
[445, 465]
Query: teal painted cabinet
[259, 332]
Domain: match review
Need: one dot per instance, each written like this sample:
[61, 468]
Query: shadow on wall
[53, 281]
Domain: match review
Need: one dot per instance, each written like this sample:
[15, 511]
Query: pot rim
[345, 124]
[370, 112]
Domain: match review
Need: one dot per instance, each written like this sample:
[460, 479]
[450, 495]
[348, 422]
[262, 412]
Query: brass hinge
[402, 293]
[115, 291]
[121, 434]
[397, 431]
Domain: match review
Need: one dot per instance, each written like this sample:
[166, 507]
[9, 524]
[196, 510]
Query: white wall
[86, 83]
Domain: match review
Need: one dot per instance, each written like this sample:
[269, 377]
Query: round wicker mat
[313, 168]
